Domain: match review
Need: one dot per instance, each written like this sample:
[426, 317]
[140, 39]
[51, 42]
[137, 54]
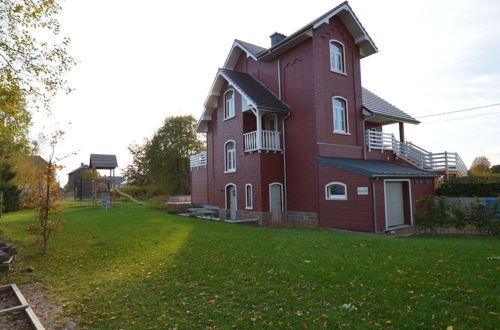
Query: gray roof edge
[324, 161]
[371, 174]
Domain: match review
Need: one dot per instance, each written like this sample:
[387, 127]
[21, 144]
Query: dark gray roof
[318, 20]
[103, 161]
[83, 166]
[381, 107]
[257, 92]
[375, 168]
[254, 49]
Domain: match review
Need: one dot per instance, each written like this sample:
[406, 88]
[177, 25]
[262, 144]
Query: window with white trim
[248, 196]
[337, 57]
[229, 104]
[336, 191]
[230, 155]
[339, 115]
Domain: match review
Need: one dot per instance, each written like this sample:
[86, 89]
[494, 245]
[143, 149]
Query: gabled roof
[82, 166]
[257, 94]
[100, 161]
[251, 48]
[343, 11]
[375, 168]
[383, 111]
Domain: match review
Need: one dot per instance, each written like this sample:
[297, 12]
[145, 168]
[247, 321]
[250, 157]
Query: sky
[141, 61]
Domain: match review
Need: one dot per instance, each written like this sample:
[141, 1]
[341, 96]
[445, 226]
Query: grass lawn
[134, 267]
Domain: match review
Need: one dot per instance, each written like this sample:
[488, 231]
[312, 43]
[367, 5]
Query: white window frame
[329, 197]
[266, 118]
[346, 116]
[342, 57]
[226, 169]
[226, 116]
[248, 206]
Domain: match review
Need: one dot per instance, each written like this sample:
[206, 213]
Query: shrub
[471, 186]
[144, 192]
[436, 214]
[159, 202]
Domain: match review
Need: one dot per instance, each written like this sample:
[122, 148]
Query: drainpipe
[374, 207]
[285, 199]
[283, 130]
[364, 134]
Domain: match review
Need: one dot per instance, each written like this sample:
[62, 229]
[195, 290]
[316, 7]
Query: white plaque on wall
[362, 190]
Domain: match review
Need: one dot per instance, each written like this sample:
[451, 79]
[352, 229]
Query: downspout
[285, 193]
[283, 130]
[364, 133]
[374, 207]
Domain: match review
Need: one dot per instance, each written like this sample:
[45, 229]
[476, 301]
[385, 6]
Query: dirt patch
[49, 314]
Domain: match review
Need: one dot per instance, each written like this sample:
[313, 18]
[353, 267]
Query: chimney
[276, 37]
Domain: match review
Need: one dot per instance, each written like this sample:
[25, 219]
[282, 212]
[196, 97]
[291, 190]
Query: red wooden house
[292, 135]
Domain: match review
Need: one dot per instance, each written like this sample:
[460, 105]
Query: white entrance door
[276, 200]
[394, 203]
[231, 201]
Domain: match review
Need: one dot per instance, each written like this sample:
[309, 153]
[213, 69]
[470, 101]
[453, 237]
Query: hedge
[471, 186]
[143, 192]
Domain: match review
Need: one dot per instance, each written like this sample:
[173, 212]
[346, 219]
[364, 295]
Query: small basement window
[336, 191]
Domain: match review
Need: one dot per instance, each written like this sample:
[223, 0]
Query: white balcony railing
[198, 159]
[446, 162]
[269, 141]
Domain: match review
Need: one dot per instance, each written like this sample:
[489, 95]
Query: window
[249, 196]
[339, 115]
[230, 155]
[336, 191]
[337, 57]
[271, 123]
[229, 104]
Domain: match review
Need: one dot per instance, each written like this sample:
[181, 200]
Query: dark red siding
[199, 187]
[307, 86]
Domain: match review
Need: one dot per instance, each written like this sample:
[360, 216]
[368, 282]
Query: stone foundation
[264, 218]
[307, 218]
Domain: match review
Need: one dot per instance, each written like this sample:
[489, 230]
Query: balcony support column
[401, 132]
[258, 115]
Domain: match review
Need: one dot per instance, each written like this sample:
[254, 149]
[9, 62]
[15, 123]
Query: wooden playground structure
[103, 188]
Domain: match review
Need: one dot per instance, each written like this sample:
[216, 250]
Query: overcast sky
[141, 61]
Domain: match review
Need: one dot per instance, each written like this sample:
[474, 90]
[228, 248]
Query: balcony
[198, 159]
[447, 163]
[265, 141]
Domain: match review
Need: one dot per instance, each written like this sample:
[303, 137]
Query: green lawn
[134, 267]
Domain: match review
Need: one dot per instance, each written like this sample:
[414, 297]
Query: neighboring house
[119, 181]
[75, 176]
[78, 182]
[292, 135]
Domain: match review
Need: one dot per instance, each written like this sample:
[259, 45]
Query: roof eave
[391, 119]
[366, 45]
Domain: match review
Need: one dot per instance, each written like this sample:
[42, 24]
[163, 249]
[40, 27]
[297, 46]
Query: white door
[394, 204]
[276, 200]
[231, 198]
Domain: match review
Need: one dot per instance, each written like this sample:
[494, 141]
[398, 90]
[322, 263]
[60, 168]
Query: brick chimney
[276, 37]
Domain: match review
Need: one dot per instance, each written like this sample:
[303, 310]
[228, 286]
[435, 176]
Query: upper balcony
[198, 159]
[263, 141]
[445, 163]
